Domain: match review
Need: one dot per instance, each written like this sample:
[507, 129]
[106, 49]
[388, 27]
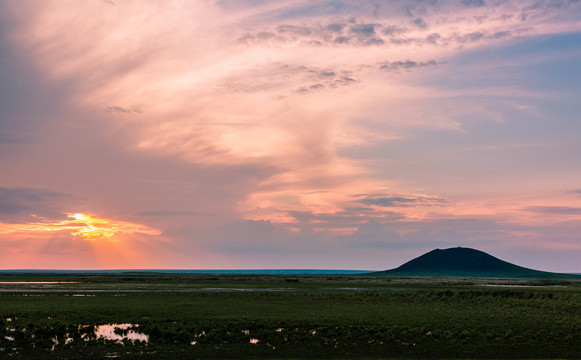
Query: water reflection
[120, 332]
[114, 332]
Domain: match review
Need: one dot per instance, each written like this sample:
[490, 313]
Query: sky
[252, 134]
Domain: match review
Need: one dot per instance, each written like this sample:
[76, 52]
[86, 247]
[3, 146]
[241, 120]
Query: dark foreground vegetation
[188, 317]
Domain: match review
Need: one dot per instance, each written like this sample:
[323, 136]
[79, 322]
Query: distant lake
[272, 272]
[207, 272]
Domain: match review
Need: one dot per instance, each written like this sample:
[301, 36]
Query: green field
[288, 317]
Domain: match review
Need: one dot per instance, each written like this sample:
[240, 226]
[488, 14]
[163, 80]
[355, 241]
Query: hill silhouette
[464, 262]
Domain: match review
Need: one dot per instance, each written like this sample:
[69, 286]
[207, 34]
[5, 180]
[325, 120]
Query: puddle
[68, 339]
[108, 332]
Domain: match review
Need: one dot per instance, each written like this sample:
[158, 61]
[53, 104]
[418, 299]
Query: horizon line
[183, 270]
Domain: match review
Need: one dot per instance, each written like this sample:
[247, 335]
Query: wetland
[185, 316]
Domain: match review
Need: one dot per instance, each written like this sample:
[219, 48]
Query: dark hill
[464, 262]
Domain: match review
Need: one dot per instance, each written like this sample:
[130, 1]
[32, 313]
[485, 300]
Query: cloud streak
[395, 201]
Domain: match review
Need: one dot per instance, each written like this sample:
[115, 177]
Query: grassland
[291, 317]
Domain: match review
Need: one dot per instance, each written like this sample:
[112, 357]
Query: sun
[80, 217]
[90, 228]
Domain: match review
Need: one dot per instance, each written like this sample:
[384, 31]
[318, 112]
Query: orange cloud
[88, 227]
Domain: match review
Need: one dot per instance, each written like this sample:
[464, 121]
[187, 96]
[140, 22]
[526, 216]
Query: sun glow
[88, 227]
[80, 217]
[93, 228]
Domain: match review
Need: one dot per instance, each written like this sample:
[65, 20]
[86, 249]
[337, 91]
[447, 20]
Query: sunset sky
[248, 134]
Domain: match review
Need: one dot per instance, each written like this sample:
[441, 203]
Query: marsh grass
[313, 317]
